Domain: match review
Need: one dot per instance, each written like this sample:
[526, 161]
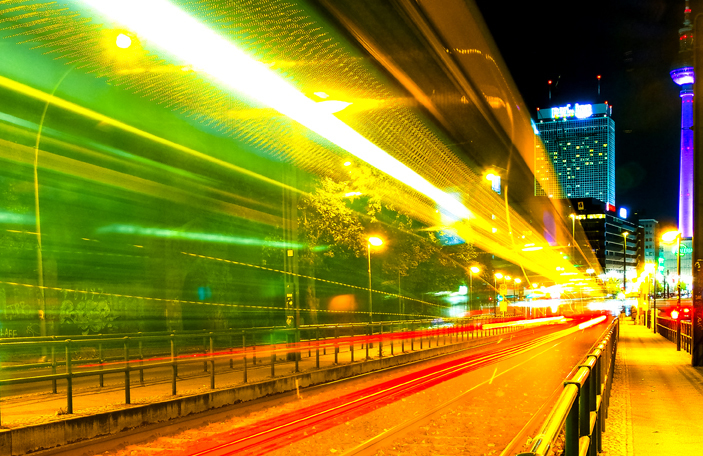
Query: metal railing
[582, 406]
[233, 350]
[681, 334]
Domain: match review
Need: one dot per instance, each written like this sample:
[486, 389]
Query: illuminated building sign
[623, 213]
[578, 111]
[683, 250]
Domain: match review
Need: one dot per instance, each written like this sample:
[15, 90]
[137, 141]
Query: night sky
[632, 45]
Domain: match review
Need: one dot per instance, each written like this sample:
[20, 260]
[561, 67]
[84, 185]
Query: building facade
[617, 243]
[651, 240]
[576, 155]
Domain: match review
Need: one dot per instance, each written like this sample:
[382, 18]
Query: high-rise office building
[682, 74]
[578, 160]
[651, 240]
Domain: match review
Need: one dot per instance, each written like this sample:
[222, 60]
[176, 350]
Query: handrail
[240, 346]
[583, 404]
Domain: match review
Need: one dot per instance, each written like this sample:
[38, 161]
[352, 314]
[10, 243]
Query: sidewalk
[656, 406]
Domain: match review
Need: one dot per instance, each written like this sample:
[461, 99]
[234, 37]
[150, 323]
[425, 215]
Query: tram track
[271, 434]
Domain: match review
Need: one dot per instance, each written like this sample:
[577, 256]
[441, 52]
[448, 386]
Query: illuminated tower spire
[682, 74]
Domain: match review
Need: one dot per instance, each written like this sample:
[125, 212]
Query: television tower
[682, 74]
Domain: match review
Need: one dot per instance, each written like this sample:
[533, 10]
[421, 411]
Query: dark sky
[632, 44]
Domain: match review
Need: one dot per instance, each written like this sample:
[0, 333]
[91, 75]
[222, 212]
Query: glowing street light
[123, 41]
[376, 242]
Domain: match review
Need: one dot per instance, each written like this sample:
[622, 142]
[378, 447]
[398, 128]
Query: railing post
[69, 379]
[369, 333]
[380, 340]
[212, 361]
[205, 353]
[127, 393]
[244, 354]
[412, 336]
[572, 431]
[351, 346]
[317, 347]
[231, 349]
[273, 356]
[678, 334]
[298, 353]
[336, 346]
[53, 367]
[174, 365]
[392, 339]
[141, 360]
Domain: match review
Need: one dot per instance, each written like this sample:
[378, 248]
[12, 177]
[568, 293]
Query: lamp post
[495, 292]
[624, 261]
[573, 234]
[472, 270]
[518, 281]
[376, 242]
[649, 269]
[669, 237]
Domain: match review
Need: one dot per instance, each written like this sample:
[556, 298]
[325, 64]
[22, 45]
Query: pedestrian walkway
[656, 406]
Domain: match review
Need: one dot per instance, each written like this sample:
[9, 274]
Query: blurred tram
[202, 165]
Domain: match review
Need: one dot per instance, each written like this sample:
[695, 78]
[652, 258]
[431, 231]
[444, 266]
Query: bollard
[351, 348]
[127, 393]
[380, 341]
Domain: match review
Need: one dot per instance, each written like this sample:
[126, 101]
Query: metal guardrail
[240, 347]
[668, 328]
[583, 404]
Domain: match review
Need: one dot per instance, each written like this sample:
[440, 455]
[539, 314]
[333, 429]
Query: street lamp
[376, 242]
[624, 261]
[472, 270]
[497, 275]
[669, 237]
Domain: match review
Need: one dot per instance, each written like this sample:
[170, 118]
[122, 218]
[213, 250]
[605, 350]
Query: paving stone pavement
[656, 405]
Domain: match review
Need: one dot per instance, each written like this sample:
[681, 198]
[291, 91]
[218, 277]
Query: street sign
[503, 288]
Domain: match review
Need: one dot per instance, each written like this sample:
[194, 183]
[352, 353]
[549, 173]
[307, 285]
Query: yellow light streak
[159, 24]
[90, 114]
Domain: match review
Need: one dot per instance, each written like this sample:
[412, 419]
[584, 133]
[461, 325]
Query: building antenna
[598, 84]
